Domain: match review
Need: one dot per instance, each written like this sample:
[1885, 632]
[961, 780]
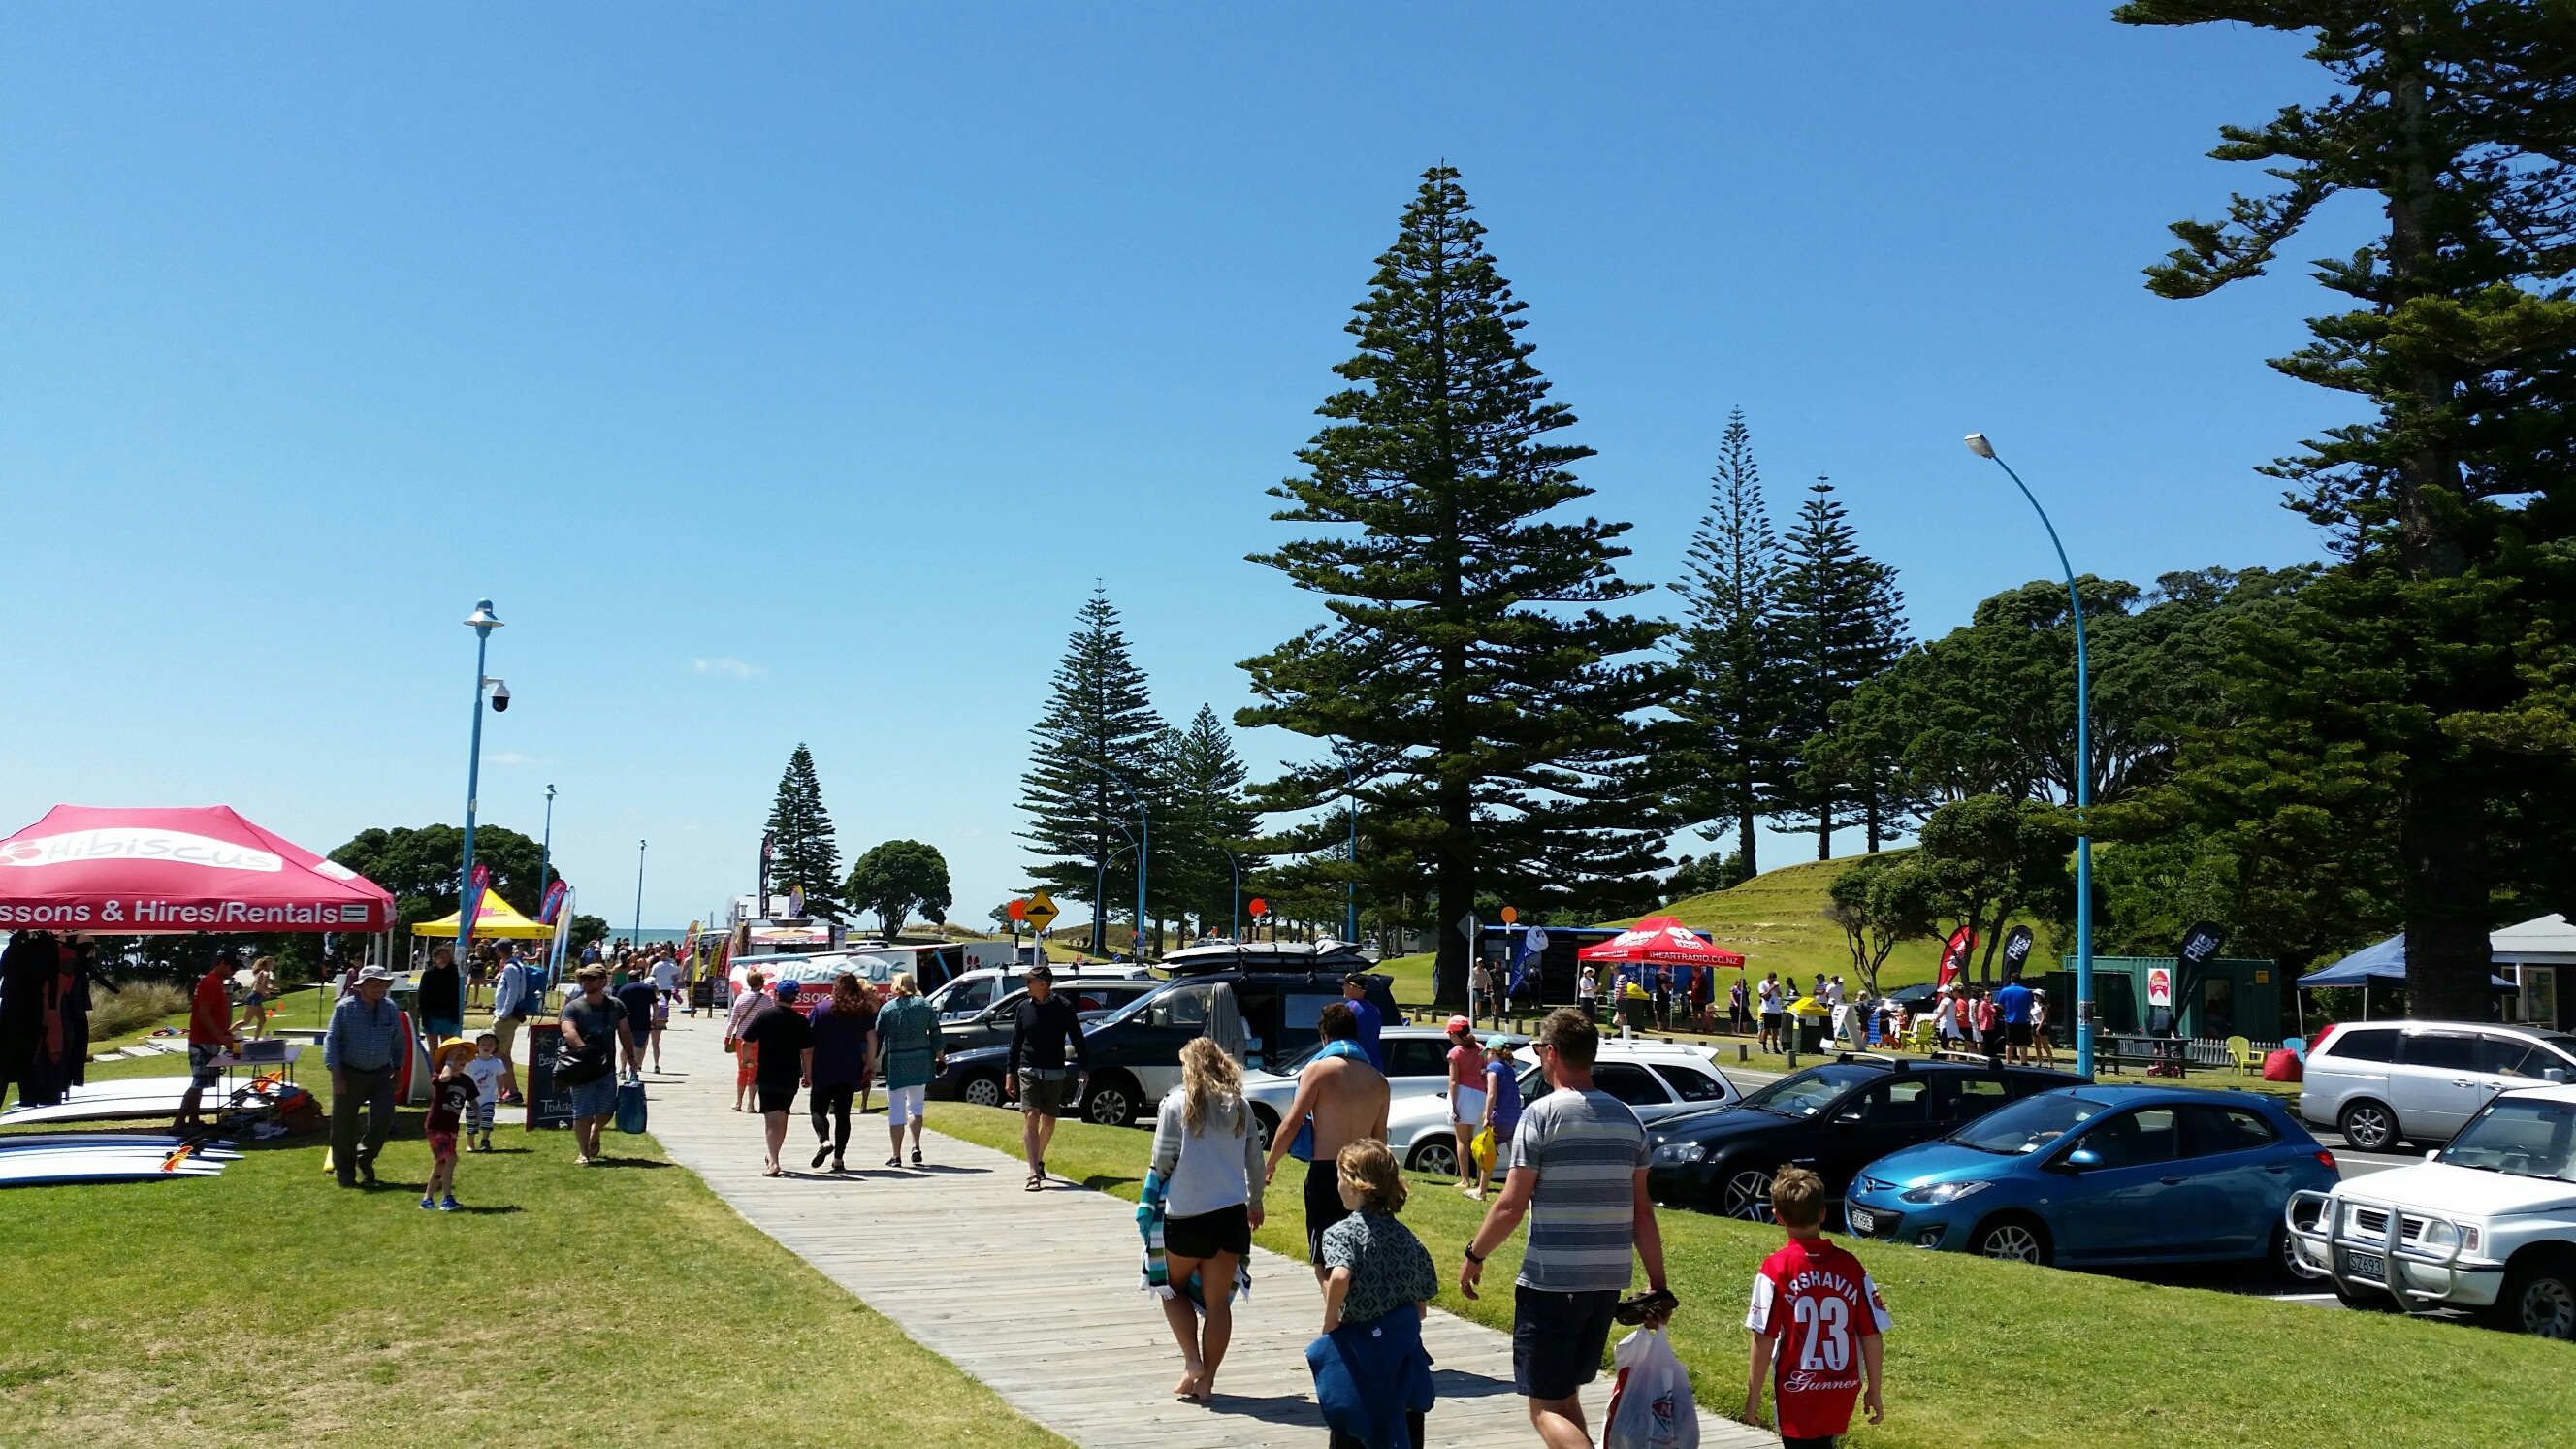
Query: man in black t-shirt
[637, 997]
[1042, 1027]
[786, 1045]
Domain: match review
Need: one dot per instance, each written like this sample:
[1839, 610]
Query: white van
[2379, 1081]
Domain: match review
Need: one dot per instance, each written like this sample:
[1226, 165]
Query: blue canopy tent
[2382, 965]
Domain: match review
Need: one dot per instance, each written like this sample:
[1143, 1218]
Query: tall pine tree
[804, 851]
[1729, 748]
[1842, 621]
[1094, 748]
[2446, 644]
[1207, 814]
[1468, 652]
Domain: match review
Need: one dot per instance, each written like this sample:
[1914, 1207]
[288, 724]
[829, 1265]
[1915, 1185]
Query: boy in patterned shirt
[1818, 1317]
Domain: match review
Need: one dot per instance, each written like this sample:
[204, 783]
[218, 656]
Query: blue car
[2101, 1175]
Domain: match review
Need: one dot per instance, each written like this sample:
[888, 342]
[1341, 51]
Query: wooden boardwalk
[1036, 1294]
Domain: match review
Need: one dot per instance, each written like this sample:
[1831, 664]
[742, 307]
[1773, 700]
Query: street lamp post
[1978, 445]
[1144, 852]
[638, 941]
[1351, 886]
[546, 853]
[1236, 867]
[482, 621]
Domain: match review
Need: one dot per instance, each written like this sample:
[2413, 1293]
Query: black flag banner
[2016, 951]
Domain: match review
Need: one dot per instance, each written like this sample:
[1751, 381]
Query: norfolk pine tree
[1841, 623]
[1095, 739]
[1727, 750]
[2456, 604]
[806, 855]
[1467, 652]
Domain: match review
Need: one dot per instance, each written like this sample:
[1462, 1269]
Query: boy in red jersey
[1817, 1314]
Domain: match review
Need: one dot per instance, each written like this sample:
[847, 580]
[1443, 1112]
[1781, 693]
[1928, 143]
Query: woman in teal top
[908, 1056]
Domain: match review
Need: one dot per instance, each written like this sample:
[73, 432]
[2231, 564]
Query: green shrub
[132, 1008]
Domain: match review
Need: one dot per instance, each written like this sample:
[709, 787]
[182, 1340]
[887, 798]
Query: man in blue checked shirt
[359, 1050]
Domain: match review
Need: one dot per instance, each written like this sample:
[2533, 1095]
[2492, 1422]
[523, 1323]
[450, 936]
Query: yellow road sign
[1042, 911]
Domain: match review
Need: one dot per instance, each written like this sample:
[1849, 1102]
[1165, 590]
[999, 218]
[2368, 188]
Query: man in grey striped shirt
[1578, 1171]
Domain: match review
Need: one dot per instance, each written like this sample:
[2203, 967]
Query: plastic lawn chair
[1925, 1036]
[2241, 1053]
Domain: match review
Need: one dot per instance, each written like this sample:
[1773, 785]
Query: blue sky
[792, 372]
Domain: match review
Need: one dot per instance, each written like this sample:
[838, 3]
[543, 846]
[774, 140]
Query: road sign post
[1040, 912]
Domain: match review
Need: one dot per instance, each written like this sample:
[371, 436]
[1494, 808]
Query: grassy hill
[1776, 921]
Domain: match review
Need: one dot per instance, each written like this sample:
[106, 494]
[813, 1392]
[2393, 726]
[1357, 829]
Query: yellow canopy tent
[494, 919]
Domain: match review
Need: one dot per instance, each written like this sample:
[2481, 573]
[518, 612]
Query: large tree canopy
[897, 878]
[2446, 644]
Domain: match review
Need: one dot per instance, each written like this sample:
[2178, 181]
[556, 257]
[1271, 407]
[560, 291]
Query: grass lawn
[1988, 1354]
[624, 1304]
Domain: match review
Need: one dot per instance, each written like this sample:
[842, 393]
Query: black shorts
[2017, 1033]
[1204, 1235]
[1557, 1339]
[777, 1096]
[1323, 1204]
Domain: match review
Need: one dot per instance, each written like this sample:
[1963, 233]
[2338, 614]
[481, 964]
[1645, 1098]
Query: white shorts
[903, 1104]
[1467, 1105]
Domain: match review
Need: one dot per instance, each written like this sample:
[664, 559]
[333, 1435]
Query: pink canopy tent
[1660, 941]
[158, 872]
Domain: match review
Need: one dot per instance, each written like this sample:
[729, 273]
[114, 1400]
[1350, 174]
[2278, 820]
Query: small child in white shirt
[486, 1071]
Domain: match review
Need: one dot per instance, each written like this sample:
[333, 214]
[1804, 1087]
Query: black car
[1092, 998]
[1136, 1050]
[1831, 1119]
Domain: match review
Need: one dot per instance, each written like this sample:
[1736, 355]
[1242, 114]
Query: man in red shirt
[210, 1033]
[1817, 1315]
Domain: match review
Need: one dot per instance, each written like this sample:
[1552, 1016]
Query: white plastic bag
[1650, 1408]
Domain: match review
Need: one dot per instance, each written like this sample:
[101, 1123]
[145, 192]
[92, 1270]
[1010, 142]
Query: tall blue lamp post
[546, 852]
[1144, 855]
[1978, 445]
[482, 621]
[638, 942]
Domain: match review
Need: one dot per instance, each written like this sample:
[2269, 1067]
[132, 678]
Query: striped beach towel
[1156, 1278]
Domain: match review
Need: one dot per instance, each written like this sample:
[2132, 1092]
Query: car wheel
[1109, 1104]
[984, 1089]
[2012, 1240]
[1744, 1192]
[2539, 1296]
[1438, 1157]
[2284, 1261]
[1264, 1123]
[2367, 1125]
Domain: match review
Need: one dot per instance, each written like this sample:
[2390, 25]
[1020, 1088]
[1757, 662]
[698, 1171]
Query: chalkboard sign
[549, 1101]
[702, 993]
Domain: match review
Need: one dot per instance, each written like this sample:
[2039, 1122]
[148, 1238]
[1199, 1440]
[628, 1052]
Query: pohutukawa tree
[1468, 665]
[2447, 640]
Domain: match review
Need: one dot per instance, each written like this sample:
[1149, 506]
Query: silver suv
[2378, 1081]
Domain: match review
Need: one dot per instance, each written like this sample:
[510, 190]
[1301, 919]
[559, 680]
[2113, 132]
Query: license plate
[1862, 1222]
[2366, 1265]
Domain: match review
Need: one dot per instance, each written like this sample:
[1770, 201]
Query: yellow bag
[1484, 1148]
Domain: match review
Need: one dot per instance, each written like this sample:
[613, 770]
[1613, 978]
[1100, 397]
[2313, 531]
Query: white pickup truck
[2487, 1224]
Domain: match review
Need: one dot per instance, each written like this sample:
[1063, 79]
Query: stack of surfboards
[45, 1158]
[110, 1100]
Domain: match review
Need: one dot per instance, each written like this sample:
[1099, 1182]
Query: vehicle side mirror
[2433, 1154]
[1851, 1118]
[2080, 1159]
[2555, 1075]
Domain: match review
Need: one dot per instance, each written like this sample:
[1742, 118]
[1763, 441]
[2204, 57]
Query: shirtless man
[1347, 1099]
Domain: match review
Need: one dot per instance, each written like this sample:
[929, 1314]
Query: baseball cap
[1460, 1023]
[1042, 972]
[786, 989]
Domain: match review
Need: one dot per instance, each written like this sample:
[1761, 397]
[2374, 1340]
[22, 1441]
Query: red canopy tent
[157, 872]
[1660, 941]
